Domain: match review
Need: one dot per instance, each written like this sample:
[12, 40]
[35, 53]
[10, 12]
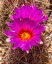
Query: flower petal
[26, 47]
[14, 26]
[39, 30]
[9, 33]
[26, 10]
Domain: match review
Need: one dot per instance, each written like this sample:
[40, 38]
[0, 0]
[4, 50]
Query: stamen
[25, 34]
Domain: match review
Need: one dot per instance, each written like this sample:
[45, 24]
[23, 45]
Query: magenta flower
[26, 28]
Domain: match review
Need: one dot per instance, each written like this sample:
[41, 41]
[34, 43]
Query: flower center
[25, 34]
